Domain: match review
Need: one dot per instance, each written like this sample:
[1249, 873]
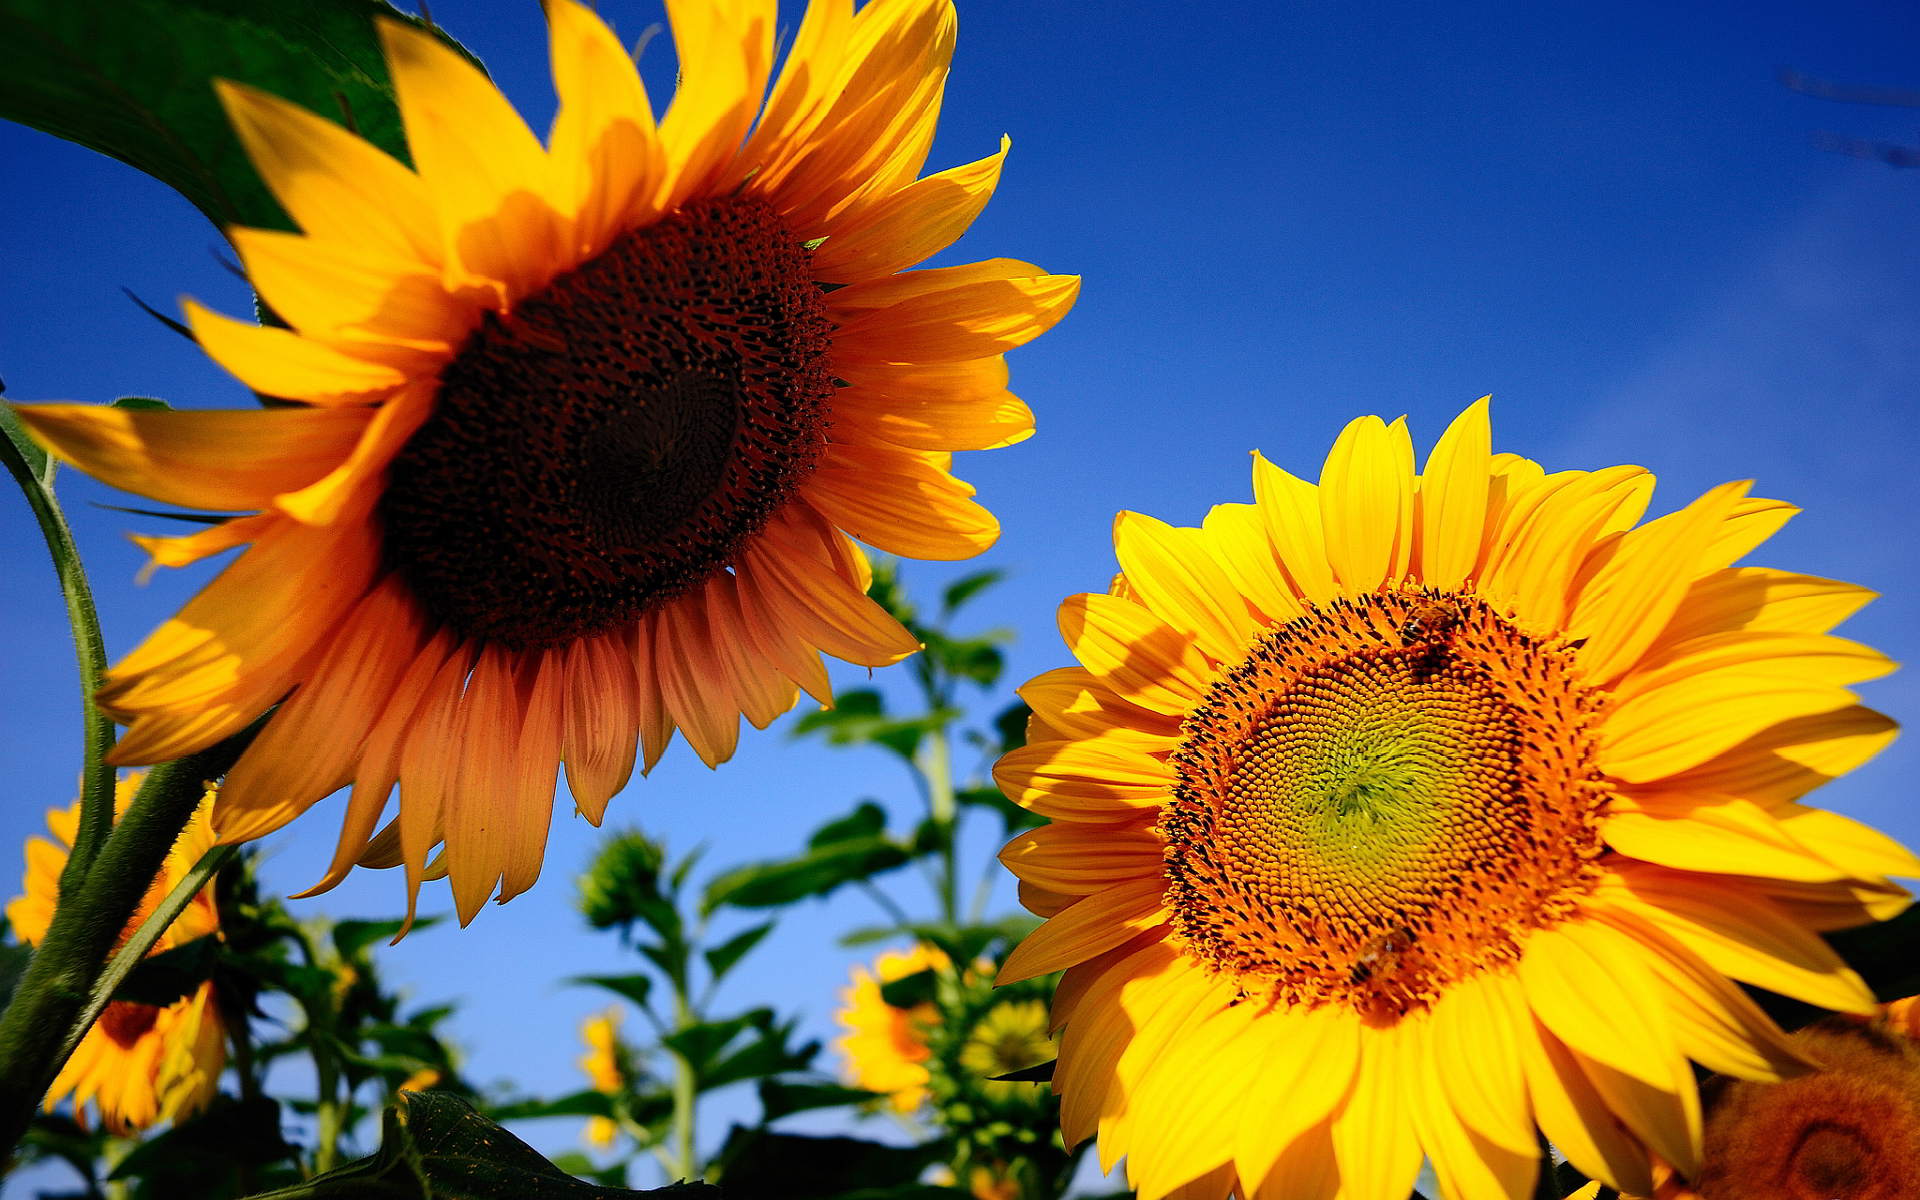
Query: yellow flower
[1396, 815]
[139, 1063]
[582, 433]
[1012, 1036]
[884, 1045]
[601, 1062]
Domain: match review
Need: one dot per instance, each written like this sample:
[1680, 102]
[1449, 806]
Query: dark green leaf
[700, 1044]
[852, 704]
[863, 822]
[133, 80]
[967, 587]
[886, 591]
[779, 1098]
[190, 517]
[211, 1146]
[434, 1146]
[161, 979]
[579, 1104]
[819, 873]
[351, 937]
[932, 836]
[1885, 953]
[866, 935]
[767, 1056]
[722, 958]
[764, 1165]
[142, 404]
[634, 987]
[1038, 1073]
[1012, 726]
[575, 1163]
[911, 991]
[623, 883]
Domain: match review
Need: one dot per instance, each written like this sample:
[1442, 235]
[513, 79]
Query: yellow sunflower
[1011, 1036]
[139, 1063]
[885, 1046]
[601, 1062]
[1399, 815]
[580, 434]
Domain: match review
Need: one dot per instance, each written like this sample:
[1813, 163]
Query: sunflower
[886, 1047]
[1400, 815]
[578, 436]
[1011, 1036]
[140, 1063]
[601, 1062]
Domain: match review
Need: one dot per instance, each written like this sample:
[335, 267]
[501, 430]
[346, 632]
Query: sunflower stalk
[33, 468]
[59, 983]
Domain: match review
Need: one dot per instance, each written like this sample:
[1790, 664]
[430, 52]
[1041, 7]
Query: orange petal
[1093, 926]
[1133, 652]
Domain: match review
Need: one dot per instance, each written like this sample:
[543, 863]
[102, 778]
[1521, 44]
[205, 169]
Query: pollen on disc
[618, 437]
[1364, 810]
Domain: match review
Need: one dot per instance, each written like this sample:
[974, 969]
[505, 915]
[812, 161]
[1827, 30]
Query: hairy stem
[87, 925]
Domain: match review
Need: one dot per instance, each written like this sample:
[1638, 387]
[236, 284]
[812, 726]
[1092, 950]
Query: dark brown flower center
[617, 438]
[1379, 800]
[126, 1022]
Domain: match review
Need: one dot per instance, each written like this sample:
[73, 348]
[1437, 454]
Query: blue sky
[1608, 216]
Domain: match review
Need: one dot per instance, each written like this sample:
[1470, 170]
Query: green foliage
[780, 1098]
[849, 849]
[436, 1146]
[218, 1152]
[133, 81]
[785, 1166]
[622, 885]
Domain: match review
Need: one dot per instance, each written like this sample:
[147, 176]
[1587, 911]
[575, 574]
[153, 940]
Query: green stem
[136, 947]
[87, 925]
[683, 1093]
[937, 765]
[33, 470]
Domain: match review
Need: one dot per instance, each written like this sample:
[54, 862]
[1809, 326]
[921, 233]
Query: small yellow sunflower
[579, 435]
[1396, 816]
[1011, 1036]
[601, 1062]
[139, 1063]
[885, 1046]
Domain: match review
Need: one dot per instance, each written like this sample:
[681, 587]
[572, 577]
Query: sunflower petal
[914, 223]
[900, 502]
[1291, 509]
[1453, 491]
[279, 362]
[1093, 926]
[1134, 653]
[1366, 507]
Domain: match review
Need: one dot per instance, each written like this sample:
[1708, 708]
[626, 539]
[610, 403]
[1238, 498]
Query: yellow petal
[605, 156]
[1093, 926]
[1134, 653]
[1759, 599]
[1689, 721]
[972, 320]
[1467, 1165]
[339, 188]
[1630, 600]
[208, 458]
[1453, 491]
[1725, 835]
[692, 684]
[1179, 1126]
[1752, 521]
[987, 423]
[1785, 761]
[1072, 701]
[377, 305]
[1313, 1062]
[900, 501]
[714, 105]
[478, 814]
[1366, 507]
[1181, 583]
[1477, 1057]
[279, 362]
[1575, 1118]
[1291, 509]
[1236, 536]
[914, 223]
[1861, 852]
[1069, 858]
[1586, 983]
[1373, 1135]
[1103, 781]
[1810, 657]
[792, 584]
[485, 173]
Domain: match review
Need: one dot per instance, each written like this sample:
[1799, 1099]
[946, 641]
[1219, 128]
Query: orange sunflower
[579, 436]
[140, 1063]
[886, 1047]
[1397, 816]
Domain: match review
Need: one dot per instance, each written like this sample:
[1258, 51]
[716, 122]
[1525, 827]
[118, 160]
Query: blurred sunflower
[1011, 1036]
[579, 432]
[1397, 815]
[601, 1062]
[140, 1063]
[886, 1047]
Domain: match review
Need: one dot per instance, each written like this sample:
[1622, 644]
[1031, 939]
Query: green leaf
[779, 1098]
[1038, 1073]
[967, 587]
[1885, 953]
[768, 1055]
[210, 1147]
[351, 937]
[634, 987]
[133, 80]
[142, 404]
[722, 958]
[863, 822]
[887, 591]
[575, 1163]
[764, 1165]
[580, 1104]
[1012, 816]
[163, 978]
[435, 1146]
[1012, 725]
[622, 885]
[850, 705]
[911, 991]
[818, 873]
[701, 1044]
